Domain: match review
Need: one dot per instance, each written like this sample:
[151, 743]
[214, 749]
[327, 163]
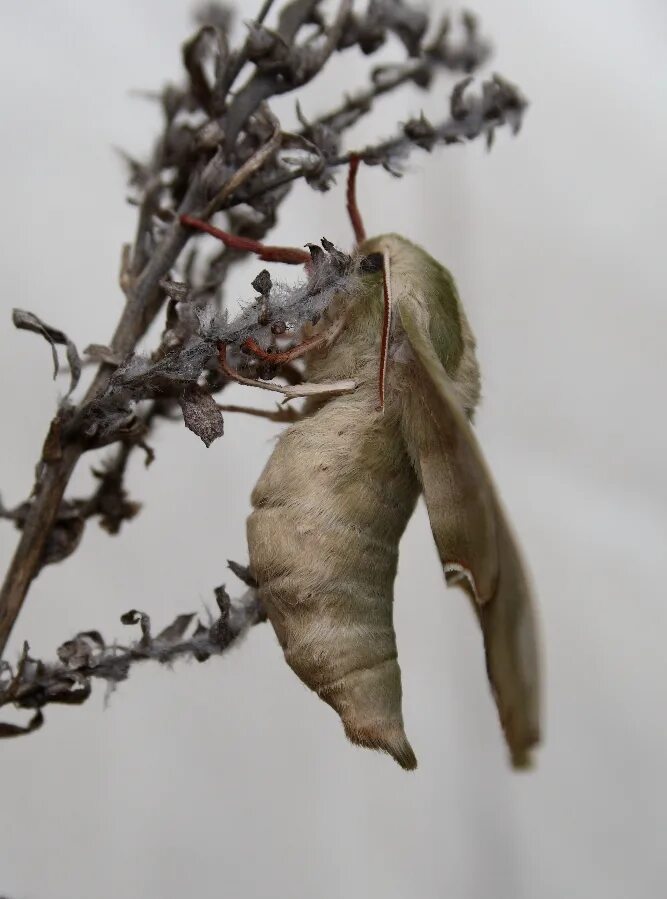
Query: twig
[263, 84]
[242, 56]
[499, 104]
[249, 168]
[87, 656]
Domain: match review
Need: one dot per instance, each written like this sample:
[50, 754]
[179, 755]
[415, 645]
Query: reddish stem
[290, 255]
[287, 355]
[352, 208]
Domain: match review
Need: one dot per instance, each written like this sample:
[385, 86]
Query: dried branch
[442, 52]
[225, 152]
[27, 321]
[499, 103]
[283, 65]
[86, 657]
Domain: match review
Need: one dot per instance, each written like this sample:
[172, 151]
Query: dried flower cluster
[222, 152]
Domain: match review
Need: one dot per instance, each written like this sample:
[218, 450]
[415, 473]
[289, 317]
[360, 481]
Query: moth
[341, 484]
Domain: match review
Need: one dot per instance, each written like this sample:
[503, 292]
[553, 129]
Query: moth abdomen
[329, 511]
[357, 698]
[339, 489]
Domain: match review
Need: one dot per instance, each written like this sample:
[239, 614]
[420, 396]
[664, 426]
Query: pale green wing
[471, 531]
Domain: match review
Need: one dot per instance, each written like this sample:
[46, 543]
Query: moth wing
[471, 531]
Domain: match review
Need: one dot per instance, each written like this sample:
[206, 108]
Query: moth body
[341, 485]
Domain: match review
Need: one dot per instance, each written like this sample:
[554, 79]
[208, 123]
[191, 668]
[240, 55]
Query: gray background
[230, 778]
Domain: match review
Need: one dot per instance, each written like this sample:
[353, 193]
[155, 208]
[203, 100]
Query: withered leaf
[242, 572]
[262, 283]
[421, 132]
[16, 730]
[341, 260]
[201, 414]
[207, 48]
[134, 616]
[177, 369]
[176, 629]
[28, 321]
[264, 47]
[111, 501]
[64, 538]
[200, 654]
[220, 632]
[73, 693]
[407, 23]
[457, 104]
[175, 290]
[78, 652]
[65, 535]
[293, 16]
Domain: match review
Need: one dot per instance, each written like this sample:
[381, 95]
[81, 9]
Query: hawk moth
[342, 482]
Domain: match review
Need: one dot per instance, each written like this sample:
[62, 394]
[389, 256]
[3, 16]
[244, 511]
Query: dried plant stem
[26, 561]
[86, 657]
[141, 307]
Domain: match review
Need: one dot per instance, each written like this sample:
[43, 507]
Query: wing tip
[522, 758]
[521, 746]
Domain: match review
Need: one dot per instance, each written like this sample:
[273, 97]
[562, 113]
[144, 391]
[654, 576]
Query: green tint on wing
[471, 530]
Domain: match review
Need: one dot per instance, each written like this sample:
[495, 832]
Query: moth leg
[290, 255]
[326, 388]
[386, 326]
[282, 414]
[326, 338]
[352, 207]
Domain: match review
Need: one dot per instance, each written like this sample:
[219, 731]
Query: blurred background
[230, 778]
